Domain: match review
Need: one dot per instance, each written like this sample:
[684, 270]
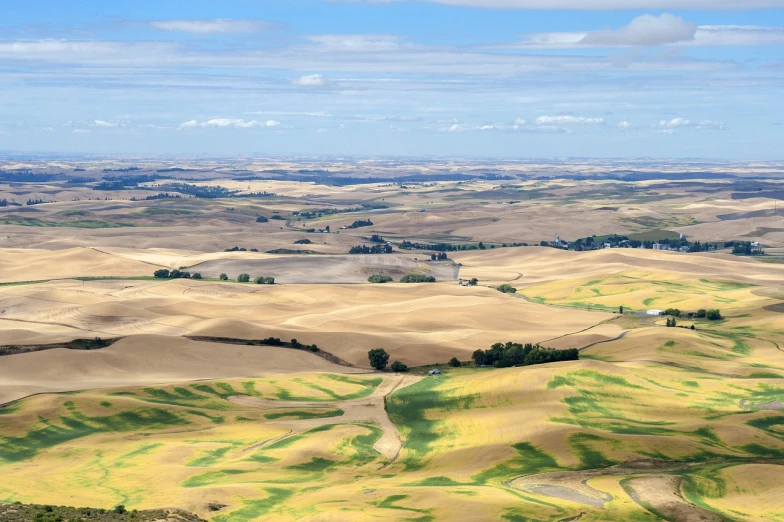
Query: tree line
[515, 354]
[374, 249]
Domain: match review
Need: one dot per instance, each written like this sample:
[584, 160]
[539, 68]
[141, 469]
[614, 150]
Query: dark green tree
[454, 362]
[378, 358]
[243, 278]
[223, 277]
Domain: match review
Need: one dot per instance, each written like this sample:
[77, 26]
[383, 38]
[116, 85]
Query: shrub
[223, 277]
[303, 242]
[162, 274]
[507, 289]
[197, 275]
[417, 278]
[399, 367]
[261, 219]
[259, 280]
[243, 278]
[379, 279]
[454, 363]
[378, 358]
[269, 280]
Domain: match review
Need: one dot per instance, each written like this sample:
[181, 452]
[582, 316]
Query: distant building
[434, 371]
[558, 243]
[661, 246]
[655, 312]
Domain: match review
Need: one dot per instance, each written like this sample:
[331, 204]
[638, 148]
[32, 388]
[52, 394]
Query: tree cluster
[361, 223]
[374, 249]
[379, 279]
[264, 280]
[745, 248]
[417, 278]
[439, 257]
[507, 289]
[515, 354]
[175, 274]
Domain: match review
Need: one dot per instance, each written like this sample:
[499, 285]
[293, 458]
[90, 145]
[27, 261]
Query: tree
[620, 310]
[399, 367]
[701, 313]
[672, 312]
[379, 279]
[162, 274]
[243, 278]
[479, 357]
[223, 277]
[261, 219]
[175, 274]
[378, 358]
[259, 281]
[507, 289]
[197, 275]
[473, 282]
[269, 280]
[713, 315]
[454, 363]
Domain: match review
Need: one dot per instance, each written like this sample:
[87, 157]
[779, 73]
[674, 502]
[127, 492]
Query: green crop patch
[77, 425]
[529, 460]
[301, 415]
[408, 409]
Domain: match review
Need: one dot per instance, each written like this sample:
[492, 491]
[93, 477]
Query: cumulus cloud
[216, 26]
[568, 120]
[235, 123]
[624, 125]
[310, 80]
[645, 30]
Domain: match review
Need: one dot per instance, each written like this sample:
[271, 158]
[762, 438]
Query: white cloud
[674, 123]
[644, 30]
[218, 25]
[568, 120]
[310, 80]
[105, 124]
[235, 123]
[624, 125]
[519, 121]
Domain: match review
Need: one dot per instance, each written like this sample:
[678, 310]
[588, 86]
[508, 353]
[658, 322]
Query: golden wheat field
[206, 393]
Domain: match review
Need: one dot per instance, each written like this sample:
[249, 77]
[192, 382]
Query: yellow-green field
[186, 408]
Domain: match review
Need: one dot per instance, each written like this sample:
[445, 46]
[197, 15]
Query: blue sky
[494, 78]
